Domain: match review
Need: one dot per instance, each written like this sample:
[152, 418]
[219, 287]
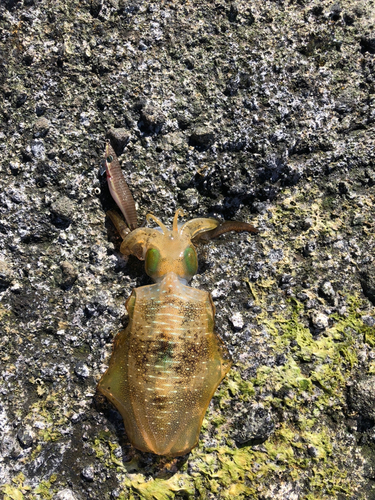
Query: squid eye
[109, 159]
[152, 260]
[190, 260]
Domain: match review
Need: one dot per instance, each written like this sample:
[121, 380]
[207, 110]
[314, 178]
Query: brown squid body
[165, 366]
[168, 362]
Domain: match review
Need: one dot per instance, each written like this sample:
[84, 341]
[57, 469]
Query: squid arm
[119, 189]
[225, 227]
[119, 223]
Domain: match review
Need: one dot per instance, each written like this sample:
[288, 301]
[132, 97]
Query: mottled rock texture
[260, 111]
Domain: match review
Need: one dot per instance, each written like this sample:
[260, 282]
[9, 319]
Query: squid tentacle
[225, 227]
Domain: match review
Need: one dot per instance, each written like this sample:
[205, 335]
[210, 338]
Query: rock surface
[259, 111]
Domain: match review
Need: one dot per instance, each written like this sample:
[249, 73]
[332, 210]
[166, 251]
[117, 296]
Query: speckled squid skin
[166, 366]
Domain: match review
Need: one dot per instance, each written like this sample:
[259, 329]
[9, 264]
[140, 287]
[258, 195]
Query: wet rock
[62, 211]
[361, 396]
[257, 425]
[6, 275]
[81, 370]
[65, 494]
[119, 138]
[319, 320]
[367, 280]
[152, 119]
[202, 136]
[69, 275]
[25, 438]
[88, 473]
[237, 321]
[41, 127]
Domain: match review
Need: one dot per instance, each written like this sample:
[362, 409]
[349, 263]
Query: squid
[167, 364]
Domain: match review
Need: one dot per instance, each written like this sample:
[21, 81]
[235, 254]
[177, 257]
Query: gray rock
[327, 290]
[253, 111]
[25, 437]
[237, 321]
[362, 397]
[6, 274]
[119, 138]
[9, 447]
[81, 370]
[367, 278]
[256, 425]
[65, 494]
[202, 136]
[63, 210]
[88, 473]
[69, 275]
[152, 119]
[319, 320]
[41, 127]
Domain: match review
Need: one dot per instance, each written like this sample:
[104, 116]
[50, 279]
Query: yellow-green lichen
[105, 451]
[19, 491]
[44, 489]
[160, 489]
[11, 492]
[16, 490]
[331, 355]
